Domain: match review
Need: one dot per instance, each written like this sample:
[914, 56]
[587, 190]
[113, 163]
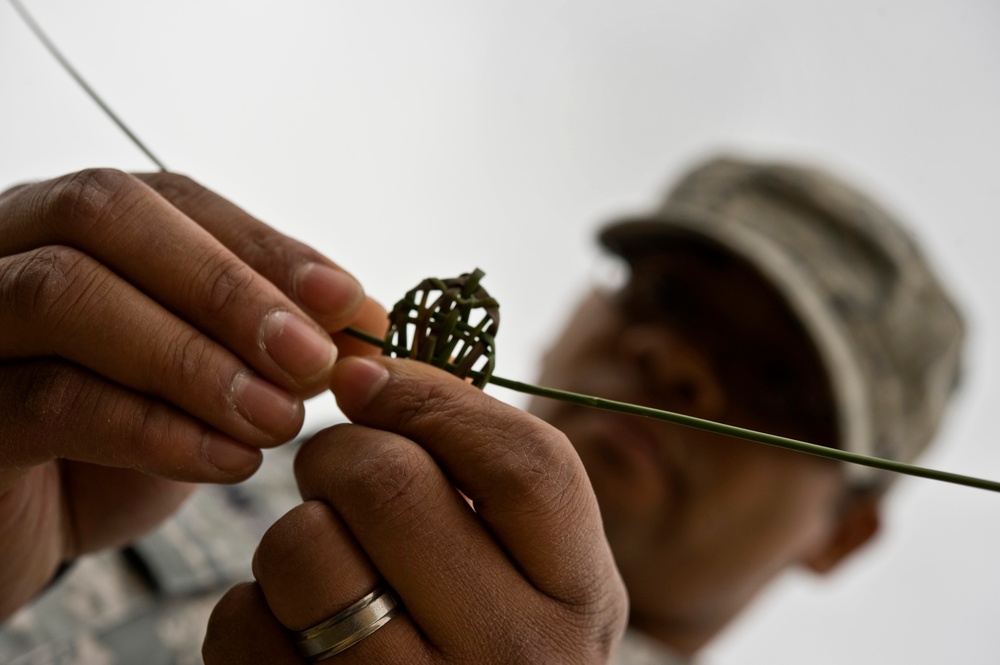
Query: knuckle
[427, 407]
[272, 252]
[224, 282]
[598, 624]
[50, 281]
[179, 189]
[48, 395]
[614, 617]
[256, 243]
[301, 526]
[597, 615]
[228, 620]
[533, 461]
[183, 357]
[543, 482]
[539, 472]
[80, 202]
[310, 460]
[387, 481]
[256, 246]
[151, 431]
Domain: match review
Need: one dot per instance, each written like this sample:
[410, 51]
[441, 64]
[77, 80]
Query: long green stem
[719, 428]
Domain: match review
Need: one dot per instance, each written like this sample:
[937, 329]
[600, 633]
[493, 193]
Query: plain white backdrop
[415, 139]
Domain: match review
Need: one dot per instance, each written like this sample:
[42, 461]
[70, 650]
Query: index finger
[323, 289]
[125, 225]
[526, 481]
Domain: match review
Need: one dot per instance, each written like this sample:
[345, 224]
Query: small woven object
[434, 323]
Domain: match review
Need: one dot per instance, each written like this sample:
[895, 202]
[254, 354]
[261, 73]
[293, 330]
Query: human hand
[525, 576]
[153, 335]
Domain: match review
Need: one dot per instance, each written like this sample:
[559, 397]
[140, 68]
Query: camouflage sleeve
[151, 604]
[103, 612]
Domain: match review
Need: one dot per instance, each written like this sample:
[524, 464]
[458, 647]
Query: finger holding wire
[124, 225]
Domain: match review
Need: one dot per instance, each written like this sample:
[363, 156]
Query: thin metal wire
[51, 47]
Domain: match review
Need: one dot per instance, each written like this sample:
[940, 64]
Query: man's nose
[676, 374]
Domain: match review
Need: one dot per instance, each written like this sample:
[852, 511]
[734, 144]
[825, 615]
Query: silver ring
[347, 628]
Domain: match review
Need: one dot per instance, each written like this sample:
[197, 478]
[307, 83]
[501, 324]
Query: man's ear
[858, 523]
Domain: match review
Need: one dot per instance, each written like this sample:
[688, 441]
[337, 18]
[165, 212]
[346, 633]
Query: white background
[411, 141]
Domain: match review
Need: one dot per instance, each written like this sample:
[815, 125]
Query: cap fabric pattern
[889, 334]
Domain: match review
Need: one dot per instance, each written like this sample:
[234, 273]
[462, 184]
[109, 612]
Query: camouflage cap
[888, 333]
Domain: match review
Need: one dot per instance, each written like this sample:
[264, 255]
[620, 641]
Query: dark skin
[525, 577]
[700, 523]
[155, 336]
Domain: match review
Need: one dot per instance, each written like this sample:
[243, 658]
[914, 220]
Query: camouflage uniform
[150, 603]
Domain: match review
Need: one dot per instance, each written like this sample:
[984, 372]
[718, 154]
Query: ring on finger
[347, 628]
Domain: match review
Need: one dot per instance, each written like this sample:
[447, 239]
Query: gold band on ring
[349, 627]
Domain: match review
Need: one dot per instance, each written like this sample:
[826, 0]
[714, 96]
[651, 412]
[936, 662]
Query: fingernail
[297, 347]
[266, 407]
[229, 455]
[360, 379]
[327, 292]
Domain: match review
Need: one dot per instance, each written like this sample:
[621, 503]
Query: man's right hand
[154, 335]
[527, 576]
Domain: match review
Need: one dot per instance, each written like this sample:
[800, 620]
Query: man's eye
[675, 298]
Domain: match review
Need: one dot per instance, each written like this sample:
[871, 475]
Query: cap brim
[634, 237]
[630, 237]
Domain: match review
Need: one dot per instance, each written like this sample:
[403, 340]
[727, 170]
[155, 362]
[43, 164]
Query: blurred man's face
[698, 522]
